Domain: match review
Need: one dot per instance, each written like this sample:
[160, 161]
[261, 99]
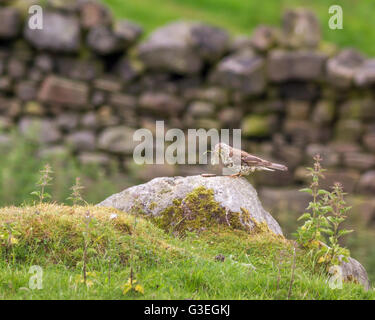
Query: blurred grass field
[241, 16]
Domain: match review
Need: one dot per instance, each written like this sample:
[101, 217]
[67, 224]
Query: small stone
[366, 183]
[323, 112]
[44, 130]
[117, 140]
[61, 32]
[94, 158]
[78, 69]
[183, 47]
[161, 102]
[26, 90]
[123, 101]
[230, 117]
[127, 31]
[10, 22]
[108, 83]
[63, 91]
[107, 117]
[103, 41]
[365, 75]
[300, 28]
[241, 71]
[348, 130]
[295, 65]
[16, 68]
[369, 141]
[90, 120]
[53, 152]
[216, 95]
[5, 123]
[94, 14]
[83, 140]
[10, 107]
[67, 121]
[359, 160]
[44, 62]
[201, 109]
[264, 38]
[342, 68]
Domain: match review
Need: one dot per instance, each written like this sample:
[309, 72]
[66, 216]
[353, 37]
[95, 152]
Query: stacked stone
[87, 83]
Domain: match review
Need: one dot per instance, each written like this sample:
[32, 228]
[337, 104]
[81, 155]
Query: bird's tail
[277, 166]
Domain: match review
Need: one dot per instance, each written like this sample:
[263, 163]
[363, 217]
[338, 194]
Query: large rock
[353, 271]
[63, 91]
[10, 23]
[232, 195]
[60, 32]
[295, 65]
[243, 71]
[183, 47]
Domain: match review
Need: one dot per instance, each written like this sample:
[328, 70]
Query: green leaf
[344, 232]
[322, 192]
[307, 190]
[305, 216]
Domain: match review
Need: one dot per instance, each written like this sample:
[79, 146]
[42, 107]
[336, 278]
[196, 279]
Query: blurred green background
[241, 16]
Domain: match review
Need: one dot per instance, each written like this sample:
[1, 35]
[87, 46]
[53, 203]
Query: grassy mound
[217, 263]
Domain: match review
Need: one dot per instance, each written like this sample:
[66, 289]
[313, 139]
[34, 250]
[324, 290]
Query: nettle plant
[44, 181]
[325, 214]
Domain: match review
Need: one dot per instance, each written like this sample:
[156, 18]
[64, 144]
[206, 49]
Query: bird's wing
[251, 160]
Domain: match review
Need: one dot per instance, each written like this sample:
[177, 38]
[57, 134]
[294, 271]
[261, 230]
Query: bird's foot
[236, 175]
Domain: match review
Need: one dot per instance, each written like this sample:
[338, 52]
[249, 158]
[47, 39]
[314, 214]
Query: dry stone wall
[87, 82]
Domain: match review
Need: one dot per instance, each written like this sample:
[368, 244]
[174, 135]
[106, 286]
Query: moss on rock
[199, 211]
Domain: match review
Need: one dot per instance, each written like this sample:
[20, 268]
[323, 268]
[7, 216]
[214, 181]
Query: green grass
[240, 17]
[51, 236]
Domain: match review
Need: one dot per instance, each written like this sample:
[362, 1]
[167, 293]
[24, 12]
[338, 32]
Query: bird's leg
[236, 175]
